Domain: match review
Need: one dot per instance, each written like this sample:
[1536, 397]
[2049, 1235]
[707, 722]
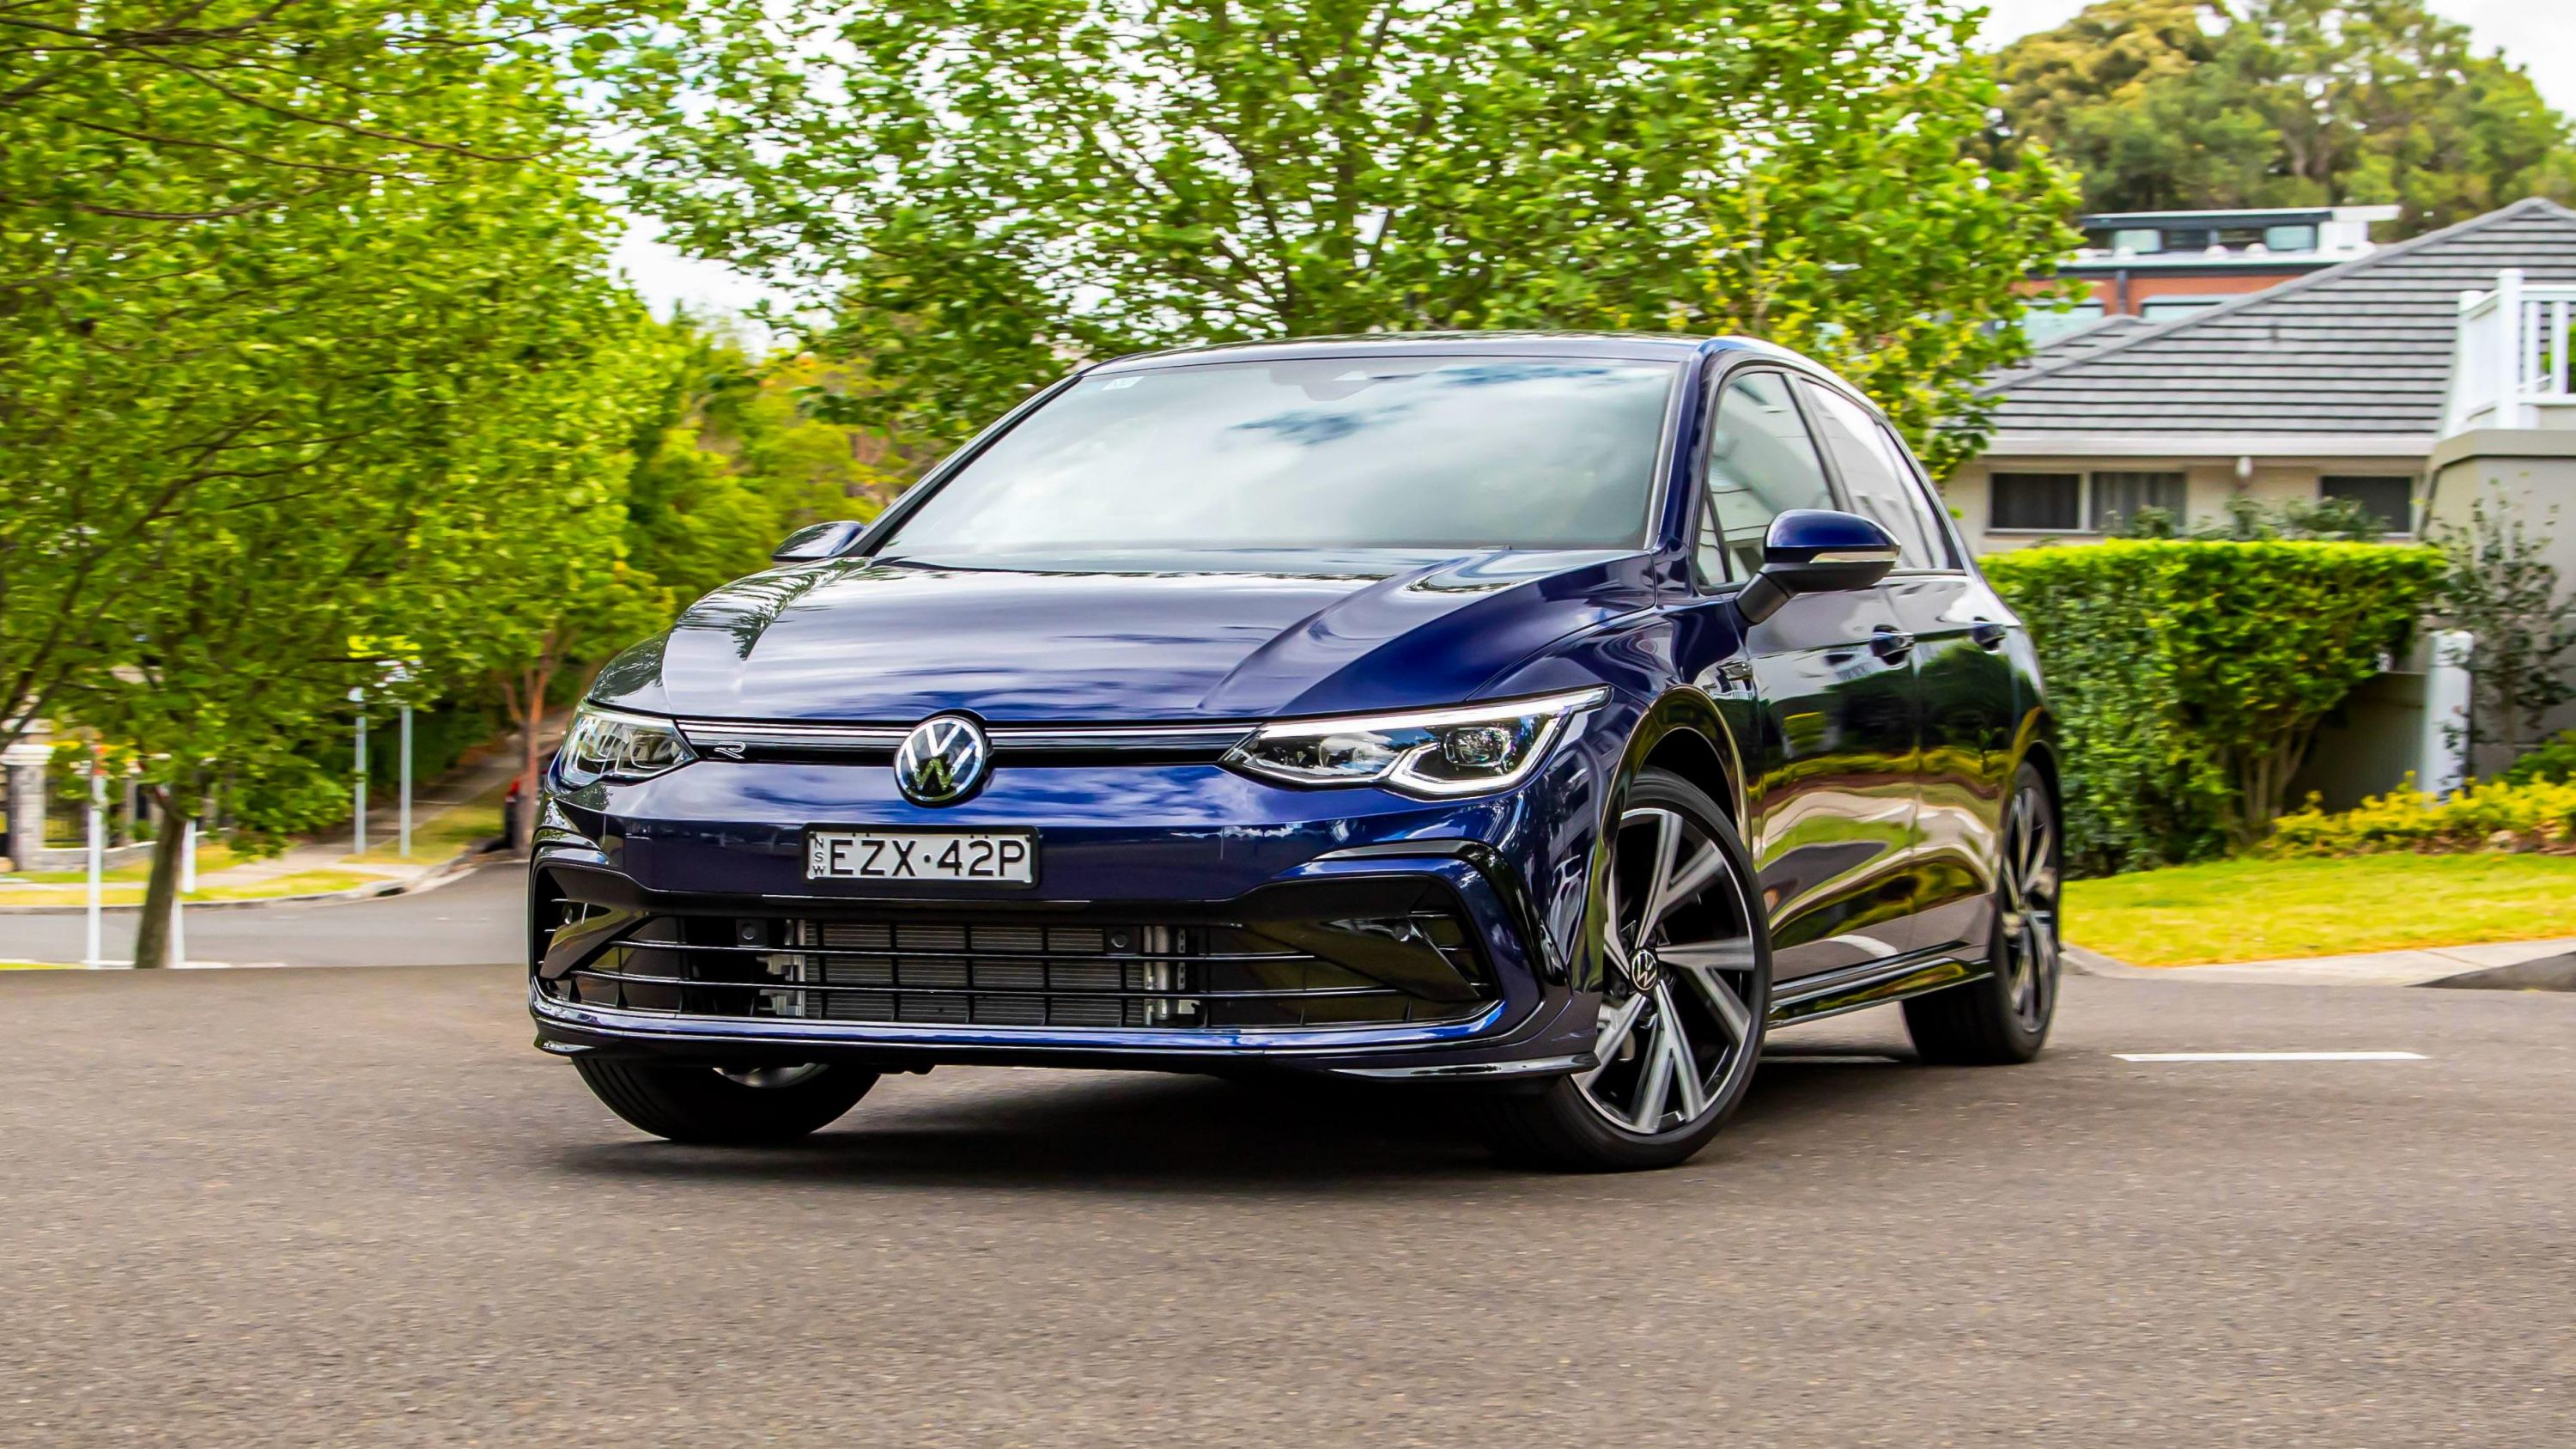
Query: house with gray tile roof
[2343, 383]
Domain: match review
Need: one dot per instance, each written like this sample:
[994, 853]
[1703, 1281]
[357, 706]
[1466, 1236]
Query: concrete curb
[2549, 973]
[2093, 963]
[428, 880]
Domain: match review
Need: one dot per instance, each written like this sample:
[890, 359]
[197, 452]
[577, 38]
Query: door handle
[1988, 634]
[1889, 642]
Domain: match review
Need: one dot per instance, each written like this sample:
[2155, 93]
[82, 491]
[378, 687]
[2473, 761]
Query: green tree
[291, 298]
[736, 454]
[983, 191]
[2165, 104]
[721, 458]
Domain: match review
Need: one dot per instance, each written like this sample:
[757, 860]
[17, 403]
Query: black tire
[1567, 1124]
[2004, 1019]
[707, 1105]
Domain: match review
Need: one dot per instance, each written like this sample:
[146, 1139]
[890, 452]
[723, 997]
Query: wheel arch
[1688, 733]
[2039, 750]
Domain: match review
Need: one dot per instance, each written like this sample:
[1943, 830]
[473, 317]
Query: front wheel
[1683, 1008]
[2004, 1018]
[725, 1106]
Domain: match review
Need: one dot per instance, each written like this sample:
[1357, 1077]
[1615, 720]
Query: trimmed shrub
[2553, 759]
[2189, 676]
[2491, 815]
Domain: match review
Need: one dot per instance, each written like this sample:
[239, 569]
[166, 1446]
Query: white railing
[2513, 362]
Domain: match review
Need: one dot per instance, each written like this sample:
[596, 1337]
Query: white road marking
[2270, 1056]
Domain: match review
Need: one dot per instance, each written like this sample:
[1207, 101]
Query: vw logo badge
[943, 760]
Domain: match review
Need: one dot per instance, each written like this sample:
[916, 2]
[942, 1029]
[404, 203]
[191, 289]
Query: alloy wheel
[2028, 885]
[1678, 1030]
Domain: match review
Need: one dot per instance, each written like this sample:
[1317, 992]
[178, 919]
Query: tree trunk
[523, 823]
[2263, 781]
[161, 891]
[525, 698]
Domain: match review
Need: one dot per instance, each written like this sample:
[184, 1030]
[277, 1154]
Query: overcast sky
[2539, 34]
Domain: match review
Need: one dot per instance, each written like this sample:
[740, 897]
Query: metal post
[406, 782]
[187, 883]
[97, 859]
[2443, 752]
[360, 818]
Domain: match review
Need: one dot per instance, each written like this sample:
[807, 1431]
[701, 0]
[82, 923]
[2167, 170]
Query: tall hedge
[2189, 676]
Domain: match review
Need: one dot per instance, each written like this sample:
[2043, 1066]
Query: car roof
[1630, 346]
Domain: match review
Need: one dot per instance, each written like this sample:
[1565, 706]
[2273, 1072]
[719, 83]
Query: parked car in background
[1546, 715]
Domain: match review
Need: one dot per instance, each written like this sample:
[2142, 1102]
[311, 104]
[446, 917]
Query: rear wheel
[2005, 1018]
[1682, 1012]
[725, 1106]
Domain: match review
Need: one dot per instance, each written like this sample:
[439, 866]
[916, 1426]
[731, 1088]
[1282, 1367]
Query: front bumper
[699, 875]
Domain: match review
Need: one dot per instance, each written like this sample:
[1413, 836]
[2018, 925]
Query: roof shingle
[2360, 348]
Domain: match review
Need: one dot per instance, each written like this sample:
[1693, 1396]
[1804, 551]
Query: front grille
[1013, 972]
[1018, 744]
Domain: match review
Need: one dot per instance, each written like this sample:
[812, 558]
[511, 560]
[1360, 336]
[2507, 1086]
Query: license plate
[987, 857]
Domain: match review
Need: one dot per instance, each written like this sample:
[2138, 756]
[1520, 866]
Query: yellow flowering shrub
[2491, 815]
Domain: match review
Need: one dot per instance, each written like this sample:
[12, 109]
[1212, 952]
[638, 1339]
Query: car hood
[877, 640]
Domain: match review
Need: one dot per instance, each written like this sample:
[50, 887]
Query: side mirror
[1815, 551]
[818, 541]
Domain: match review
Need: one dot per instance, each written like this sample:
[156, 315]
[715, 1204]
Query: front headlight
[1438, 752]
[605, 744]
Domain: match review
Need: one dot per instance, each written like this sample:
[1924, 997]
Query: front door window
[1880, 484]
[1761, 463]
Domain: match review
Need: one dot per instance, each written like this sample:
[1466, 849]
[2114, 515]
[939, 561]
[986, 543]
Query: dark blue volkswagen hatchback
[1550, 715]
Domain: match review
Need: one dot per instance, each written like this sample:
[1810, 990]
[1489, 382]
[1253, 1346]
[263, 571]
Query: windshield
[1398, 452]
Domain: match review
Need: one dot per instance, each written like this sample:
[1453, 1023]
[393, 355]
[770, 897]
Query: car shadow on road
[1144, 1131]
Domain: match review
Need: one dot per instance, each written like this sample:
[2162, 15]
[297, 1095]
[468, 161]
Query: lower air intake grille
[1024, 973]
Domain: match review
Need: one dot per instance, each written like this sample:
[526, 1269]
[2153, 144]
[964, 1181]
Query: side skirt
[1873, 983]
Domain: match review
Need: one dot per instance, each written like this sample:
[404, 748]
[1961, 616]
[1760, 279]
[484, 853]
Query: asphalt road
[473, 920]
[353, 1207]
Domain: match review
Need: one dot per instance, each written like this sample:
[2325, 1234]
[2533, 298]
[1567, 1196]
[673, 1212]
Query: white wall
[2534, 471]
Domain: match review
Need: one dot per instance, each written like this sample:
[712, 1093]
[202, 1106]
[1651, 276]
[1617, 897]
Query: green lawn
[297, 883]
[211, 857]
[2260, 910]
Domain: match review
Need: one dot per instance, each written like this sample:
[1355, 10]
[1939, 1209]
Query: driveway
[337, 1207]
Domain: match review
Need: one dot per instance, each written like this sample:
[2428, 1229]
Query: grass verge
[447, 833]
[2263, 910]
[211, 857]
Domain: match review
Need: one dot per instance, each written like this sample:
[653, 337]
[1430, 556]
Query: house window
[2290, 238]
[2118, 497]
[2047, 326]
[2391, 500]
[2037, 502]
[2165, 309]
[2142, 240]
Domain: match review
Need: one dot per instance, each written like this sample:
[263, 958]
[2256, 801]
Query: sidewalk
[2421, 967]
